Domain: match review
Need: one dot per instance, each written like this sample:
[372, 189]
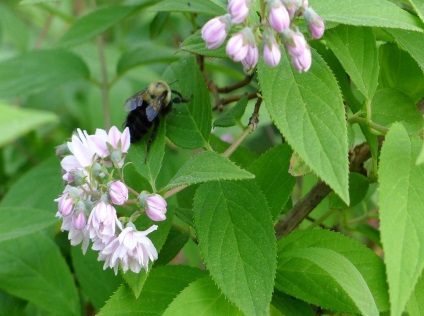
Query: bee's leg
[180, 98]
[156, 123]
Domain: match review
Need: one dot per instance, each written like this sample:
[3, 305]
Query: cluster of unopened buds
[92, 167]
[277, 26]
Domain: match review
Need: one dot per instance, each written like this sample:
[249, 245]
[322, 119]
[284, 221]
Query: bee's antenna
[176, 80]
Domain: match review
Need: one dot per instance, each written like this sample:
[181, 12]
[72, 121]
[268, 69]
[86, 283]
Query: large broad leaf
[189, 124]
[93, 24]
[202, 297]
[198, 6]
[380, 13]
[401, 215]
[15, 122]
[237, 242]
[419, 7]
[416, 303]
[308, 280]
[308, 109]
[162, 286]
[356, 49]
[32, 268]
[207, 166]
[38, 70]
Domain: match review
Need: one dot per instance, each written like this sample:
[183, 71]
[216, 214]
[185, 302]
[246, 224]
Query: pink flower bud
[156, 207]
[304, 61]
[315, 24]
[239, 10]
[118, 192]
[292, 6]
[65, 206]
[237, 47]
[79, 220]
[251, 59]
[295, 42]
[279, 18]
[272, 53]
[214, 31]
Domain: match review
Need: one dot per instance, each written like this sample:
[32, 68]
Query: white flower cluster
[90, 164]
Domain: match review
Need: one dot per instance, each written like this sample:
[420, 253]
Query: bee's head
[158, 88]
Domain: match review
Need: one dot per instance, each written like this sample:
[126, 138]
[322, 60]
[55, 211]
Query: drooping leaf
[237, 242]
[233, 115]
[309, 281]
[202, 297]
[38, 70]
[401, 216]
[356, 49]
[93, 24]
[380, 13]
[32, 268]
[162, 286]
[207, 166]
[189, 124]
[308, 109]
[199, 6]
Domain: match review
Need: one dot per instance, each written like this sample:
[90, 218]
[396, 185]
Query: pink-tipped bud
[239, 10]
[66, 204]
[118, 192]
[79, 221]
[237, 47]
[279, 18]
[295, 42]
[315, 24]
[292, 6]
[303, 62]
[154, 205]
[272, 53]
[215, 31]
[251, 59]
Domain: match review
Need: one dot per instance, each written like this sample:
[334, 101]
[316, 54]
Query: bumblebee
[146, 106]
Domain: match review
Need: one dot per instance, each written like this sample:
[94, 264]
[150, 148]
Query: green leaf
[237, 242]
[162, 286]
[400, 71]
[356, 49]
[17, 222]
[358, 188]
[93, 24]
[233, 115]
[415, 304]
[390, 106]
[198, 7]
[271, 172]
[149, 167]
[419, 7]
[202, 297]
[145, 54]
[96, 283]
[39, 70]
[15, 121]
[380, 13]
[318, 286]
[290, 306]
[344, 273]
[27, 191]
[189, 124]
[195, 44]
[32, 268]
[175, 241]
[35, 1]
[401, 219]
[207, 166]
[308, 109]
[158, 24]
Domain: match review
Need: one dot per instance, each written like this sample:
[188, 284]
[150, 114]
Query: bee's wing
[155, 106]
[135, 101]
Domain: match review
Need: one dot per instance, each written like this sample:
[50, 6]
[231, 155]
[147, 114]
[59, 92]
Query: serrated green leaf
[202, 297]
[358, 188]
[356, 49]
[308, 109]
[271, 172]
[149, 167]
[175, 241]
[97, 284]
[207, 166]
[400, 71]
[15, 121]
[297, 277]
[145, 54]
[233, 115]
[198, 6]
[17, 222]
[401, 216]
[39, 70]
[93, 24]
[32, 268]
[380, 13]
[415, 304]
[162, 286]
[189, 124]
[27, 191]
[237, 242]
[195, 44]
[342, 271]
[290, 306]
[419, 7]
[390, 106]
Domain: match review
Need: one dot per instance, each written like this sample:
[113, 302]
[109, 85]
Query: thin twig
[235, 86]
[234, 98]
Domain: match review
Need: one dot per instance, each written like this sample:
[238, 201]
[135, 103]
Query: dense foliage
[288, 193]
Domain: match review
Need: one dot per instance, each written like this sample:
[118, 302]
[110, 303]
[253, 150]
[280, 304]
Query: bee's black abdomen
[138, 123]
